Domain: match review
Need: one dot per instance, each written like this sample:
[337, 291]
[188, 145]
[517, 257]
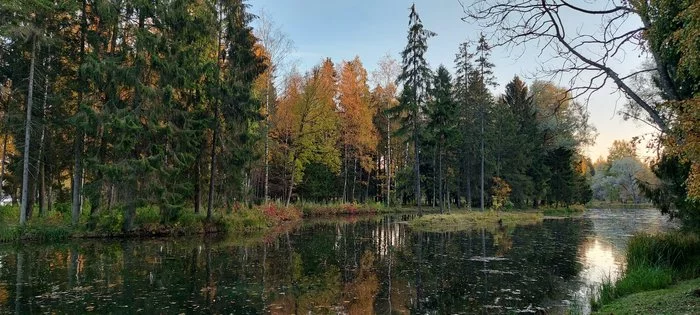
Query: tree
[358, 131]
[307, 123]
[467, 114]
[238, 107]
[621, 149]
[415, 76]
[518, 23]
[278, 47]
[483, 98]
[384, 95]
[442, 112]
[517, 117]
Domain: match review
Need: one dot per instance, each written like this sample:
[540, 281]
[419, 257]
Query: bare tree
[388, 70]
[589, 56]
[279, 47]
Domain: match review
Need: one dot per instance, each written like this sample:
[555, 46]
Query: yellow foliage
[687, 143]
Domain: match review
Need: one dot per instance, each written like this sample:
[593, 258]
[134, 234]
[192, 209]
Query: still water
[351, 266]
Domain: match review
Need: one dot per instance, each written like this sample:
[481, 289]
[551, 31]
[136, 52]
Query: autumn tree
[359, 135]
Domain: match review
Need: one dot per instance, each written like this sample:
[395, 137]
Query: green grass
[460, 221]
[653, 262]
[681, 298]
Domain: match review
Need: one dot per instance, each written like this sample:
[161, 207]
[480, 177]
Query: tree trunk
[388, 160]
[416, 167]
[440, 178]
[130, 210]
[354, 179]
[212, 166]
[267, 141]
[291, 185]
[78, 142]
[481, 203]
[345, 175]
[435, 179]
[27, 136]
[2, 162]
[198, 185]
[42, 149]
[469, 187]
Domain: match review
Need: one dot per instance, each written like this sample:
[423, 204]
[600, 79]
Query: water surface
[349, 265]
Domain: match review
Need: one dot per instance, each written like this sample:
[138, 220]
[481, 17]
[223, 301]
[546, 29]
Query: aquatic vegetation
[474, 219]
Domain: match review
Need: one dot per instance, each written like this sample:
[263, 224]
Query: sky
[372, 29]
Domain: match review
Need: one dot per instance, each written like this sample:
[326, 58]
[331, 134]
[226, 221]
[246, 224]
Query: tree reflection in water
[358, 266]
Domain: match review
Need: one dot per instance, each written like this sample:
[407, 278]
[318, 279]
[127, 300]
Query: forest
[182, 106]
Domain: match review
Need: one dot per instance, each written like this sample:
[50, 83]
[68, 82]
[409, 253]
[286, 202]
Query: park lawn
[682, 298]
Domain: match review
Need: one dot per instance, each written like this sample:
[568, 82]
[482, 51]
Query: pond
[349, 265]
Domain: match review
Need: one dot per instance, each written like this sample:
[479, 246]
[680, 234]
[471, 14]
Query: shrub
[110, 222]
[147, 218]
[9, 214]
[190, 222]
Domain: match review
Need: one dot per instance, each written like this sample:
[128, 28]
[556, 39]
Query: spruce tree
[415, 77]
[443, 124]
[483, 97]
[467, 114]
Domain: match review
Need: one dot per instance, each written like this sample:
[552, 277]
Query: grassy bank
[653, 263]
[56, 225]
[682, 298]
[460, 221]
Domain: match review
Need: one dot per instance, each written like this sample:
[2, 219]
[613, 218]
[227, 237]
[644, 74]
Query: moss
[473, 219]
[681, 298]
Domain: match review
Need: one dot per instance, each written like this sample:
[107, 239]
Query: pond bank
[682, 298]
[657, 265]
[148, 221]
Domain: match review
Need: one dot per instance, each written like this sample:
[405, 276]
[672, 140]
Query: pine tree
[415, 77]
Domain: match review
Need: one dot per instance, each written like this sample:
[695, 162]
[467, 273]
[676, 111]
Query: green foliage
[109, 223]
[148, 218]
[670, 194]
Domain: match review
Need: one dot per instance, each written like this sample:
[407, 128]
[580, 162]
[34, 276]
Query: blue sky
[370, 29]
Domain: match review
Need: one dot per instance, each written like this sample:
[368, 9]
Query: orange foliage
[359, 131]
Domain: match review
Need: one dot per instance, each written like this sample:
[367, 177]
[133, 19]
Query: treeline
[336, 138]
[109, 106]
